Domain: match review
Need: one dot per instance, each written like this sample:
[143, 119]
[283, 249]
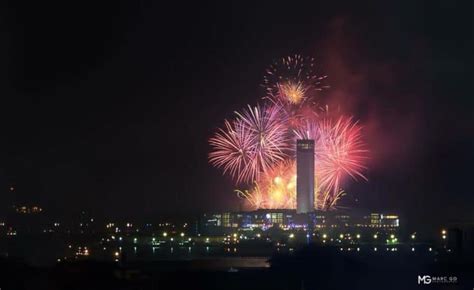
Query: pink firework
[341, 153]
[232, 150]
[256, 141]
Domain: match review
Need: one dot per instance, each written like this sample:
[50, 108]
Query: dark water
[48, 250]
[141, 266]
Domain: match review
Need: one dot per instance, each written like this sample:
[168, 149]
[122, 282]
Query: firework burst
[232, 150]
[257, 148]
[341, 153]
[339, 150]
[277, 189]
[292, 79]
[256, 141]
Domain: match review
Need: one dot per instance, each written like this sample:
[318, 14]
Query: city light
[156, 119]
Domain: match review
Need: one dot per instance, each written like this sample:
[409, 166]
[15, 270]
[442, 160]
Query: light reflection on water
[47, 252]
[202, 257]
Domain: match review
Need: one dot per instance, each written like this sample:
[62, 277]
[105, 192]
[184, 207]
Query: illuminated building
[357, 224]
[304, 176]
[378, 220]
[28, 209]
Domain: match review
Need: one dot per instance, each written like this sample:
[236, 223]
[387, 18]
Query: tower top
[305, 144]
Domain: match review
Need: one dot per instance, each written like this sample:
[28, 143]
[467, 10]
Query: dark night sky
[109, 108]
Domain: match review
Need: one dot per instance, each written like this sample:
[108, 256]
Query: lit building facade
[304, 176]
[366, 224]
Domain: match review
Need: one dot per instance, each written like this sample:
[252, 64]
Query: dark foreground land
[309, 268]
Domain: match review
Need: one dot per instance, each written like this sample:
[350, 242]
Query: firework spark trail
[254, 197]
[327, 200]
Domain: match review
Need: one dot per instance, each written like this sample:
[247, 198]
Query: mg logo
[426, 279]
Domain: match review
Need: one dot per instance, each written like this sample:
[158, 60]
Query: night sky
[109, 108]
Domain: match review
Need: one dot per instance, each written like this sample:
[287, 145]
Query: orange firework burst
[294, 93]
[292, 79]
[277, 189]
